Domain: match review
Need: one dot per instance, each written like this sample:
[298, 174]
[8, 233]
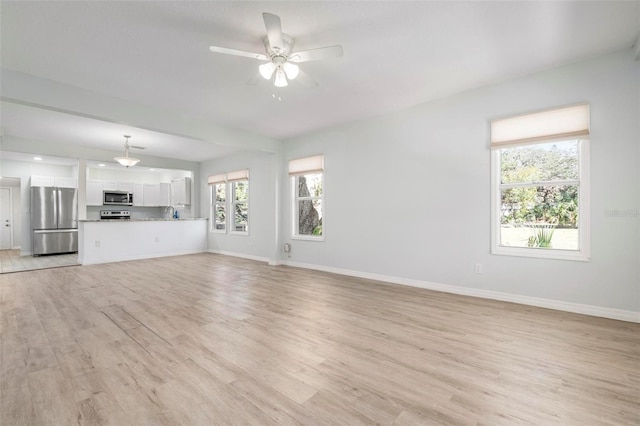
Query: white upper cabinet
[109, 186]
[165, 194]
[137, 189]
[144, 195]
[64, 182]
[124, 186]
[181, 191]
[53, 181]
[156, 195]
[42, 181]
[94, 192]
[151, 194]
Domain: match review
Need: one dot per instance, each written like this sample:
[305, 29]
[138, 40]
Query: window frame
[295, 207]
[583, 252]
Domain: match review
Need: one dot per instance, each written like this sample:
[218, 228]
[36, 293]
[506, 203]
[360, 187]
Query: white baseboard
[26, 253]
[242, 255]
[138, 257]
[596, 311]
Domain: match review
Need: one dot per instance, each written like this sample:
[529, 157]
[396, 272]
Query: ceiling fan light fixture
[281, 79]
[127, 161]
[266, 70]
[291, 70]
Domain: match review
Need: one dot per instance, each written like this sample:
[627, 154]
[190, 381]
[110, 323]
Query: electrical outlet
[157, 239]
[478, 268]
[97, 243]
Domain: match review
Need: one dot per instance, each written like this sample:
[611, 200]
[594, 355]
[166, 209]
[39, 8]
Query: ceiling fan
[280, 57]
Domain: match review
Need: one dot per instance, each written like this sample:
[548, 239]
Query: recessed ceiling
[396, 54]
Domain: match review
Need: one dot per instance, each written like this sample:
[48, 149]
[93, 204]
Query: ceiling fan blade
[137, 147]
[227, 51]
[317, 54]
[274, 31]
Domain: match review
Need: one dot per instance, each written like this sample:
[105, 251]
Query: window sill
[307, 238]
[573, 255]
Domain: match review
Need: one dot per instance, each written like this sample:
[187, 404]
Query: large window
[540, 191]
[307, 195]
[230, 193]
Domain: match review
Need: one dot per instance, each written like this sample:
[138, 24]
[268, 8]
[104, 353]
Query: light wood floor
[208, 339]
[12, 261]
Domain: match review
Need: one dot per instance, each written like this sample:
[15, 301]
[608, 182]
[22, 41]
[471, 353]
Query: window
[218, 213]
[237, 185]
[307, 194]
[220, 207]
[540, 191]
[240, 191]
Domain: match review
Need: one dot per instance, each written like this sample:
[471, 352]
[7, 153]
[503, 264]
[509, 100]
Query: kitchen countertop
[144, 220]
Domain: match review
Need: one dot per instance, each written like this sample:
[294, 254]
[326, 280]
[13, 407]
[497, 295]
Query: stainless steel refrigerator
[54, 220]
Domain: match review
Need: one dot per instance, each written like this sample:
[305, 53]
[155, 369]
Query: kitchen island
[104, 241]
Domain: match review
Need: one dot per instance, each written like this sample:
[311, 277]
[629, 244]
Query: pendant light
[126, 160]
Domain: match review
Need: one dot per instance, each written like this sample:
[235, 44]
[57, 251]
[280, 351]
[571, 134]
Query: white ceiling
[397, 54]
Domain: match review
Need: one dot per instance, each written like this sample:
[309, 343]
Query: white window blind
[306, 165]
[560, 123]
[216, 179]
[238, 175]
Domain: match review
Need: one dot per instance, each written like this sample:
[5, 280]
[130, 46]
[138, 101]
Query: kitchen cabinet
[165, 194]
[54, 181]
[109, 186]
[65, 182]
[137, 189]
[94, 192]
[151, 194]
[181, 191]
[124, 186]
[156, 195]
[42, 181]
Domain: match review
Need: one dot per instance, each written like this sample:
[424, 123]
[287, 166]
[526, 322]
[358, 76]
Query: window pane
[540, 217]
[241, 217]
[539, 163]
[310, 185]
[241, 191]
[221, 214]
[310, 217]
[221, 192]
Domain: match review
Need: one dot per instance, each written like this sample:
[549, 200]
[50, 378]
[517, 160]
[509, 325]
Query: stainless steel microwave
[117, 198]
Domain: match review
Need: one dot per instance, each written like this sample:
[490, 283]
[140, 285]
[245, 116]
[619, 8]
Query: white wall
[262, 167]
[24, 170]
[408, 195]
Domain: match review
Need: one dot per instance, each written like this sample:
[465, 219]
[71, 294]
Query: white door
[5, 219]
